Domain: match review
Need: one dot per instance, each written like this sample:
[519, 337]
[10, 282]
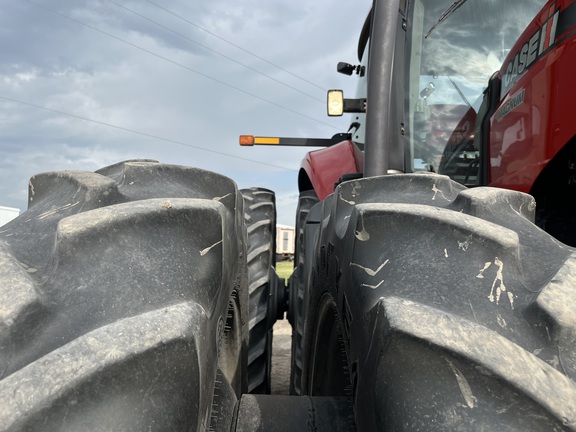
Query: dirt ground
[281, 347]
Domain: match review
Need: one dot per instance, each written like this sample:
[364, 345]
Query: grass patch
[284, 269]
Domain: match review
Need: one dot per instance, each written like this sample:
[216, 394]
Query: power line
[145, 134]
[235, 46]
[182, 66]
[216, 52]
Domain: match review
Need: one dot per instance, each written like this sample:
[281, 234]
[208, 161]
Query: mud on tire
[124, 294]
[434, 307]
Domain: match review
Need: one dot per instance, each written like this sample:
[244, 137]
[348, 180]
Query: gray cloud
[54, 62]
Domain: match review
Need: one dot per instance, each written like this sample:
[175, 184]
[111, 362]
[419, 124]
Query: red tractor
[487, 105]
[142, 296]
[480, 93]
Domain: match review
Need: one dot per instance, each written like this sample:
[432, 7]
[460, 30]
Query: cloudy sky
[173, 80]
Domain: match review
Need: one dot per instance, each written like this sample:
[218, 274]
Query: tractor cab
[448, 53]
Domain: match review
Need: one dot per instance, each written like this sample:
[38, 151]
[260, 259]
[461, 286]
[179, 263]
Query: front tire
[299, 283]
[260, 217]
[451, 310]
[124, 294]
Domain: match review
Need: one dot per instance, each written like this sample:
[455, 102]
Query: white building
[7, 214]
[284, 242]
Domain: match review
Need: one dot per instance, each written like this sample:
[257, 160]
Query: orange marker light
[267, 140]
[246, 140]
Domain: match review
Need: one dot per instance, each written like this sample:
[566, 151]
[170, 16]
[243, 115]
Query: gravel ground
[281, 347]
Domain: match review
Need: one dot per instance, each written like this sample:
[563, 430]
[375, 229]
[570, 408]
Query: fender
[321, 169]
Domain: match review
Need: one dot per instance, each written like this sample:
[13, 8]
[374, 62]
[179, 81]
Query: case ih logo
[532, 50]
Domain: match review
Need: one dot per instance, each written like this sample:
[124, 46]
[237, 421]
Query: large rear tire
[438, 308]
[260, 217]
[124, 294]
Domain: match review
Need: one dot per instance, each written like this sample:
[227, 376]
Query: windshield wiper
[459, 91]
[446, 15]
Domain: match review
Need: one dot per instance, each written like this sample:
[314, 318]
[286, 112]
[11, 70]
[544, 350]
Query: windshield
[454, 49]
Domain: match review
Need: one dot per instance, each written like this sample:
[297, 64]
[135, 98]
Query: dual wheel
[429, 306]
[138, 298]
[134, 298]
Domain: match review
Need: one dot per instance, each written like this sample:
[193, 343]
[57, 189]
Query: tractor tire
[439, 308]
[260, 219]
[123, 300]
[298, 285]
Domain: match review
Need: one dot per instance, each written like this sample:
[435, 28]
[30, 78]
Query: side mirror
[348, 69]
[345, 68]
